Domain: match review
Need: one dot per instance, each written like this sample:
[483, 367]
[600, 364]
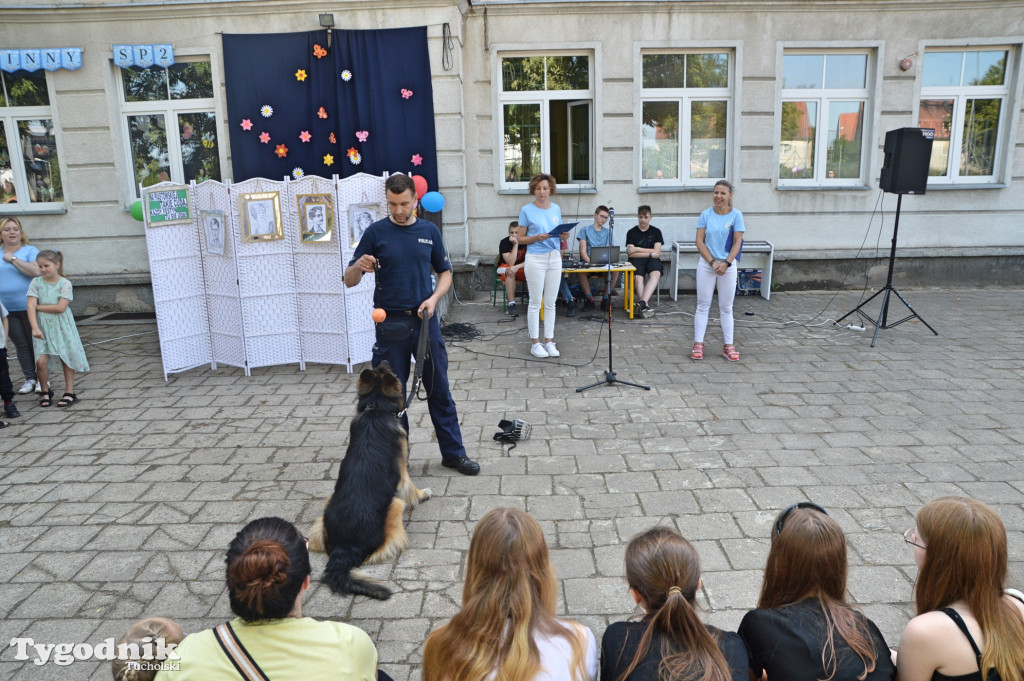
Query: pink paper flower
[305, 136]
[265, 137]
[246, 124]
[417, 160]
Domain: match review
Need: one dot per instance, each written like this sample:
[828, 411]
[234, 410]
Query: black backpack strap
[237, 653]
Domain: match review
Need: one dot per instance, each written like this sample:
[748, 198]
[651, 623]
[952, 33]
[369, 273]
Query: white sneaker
[26, 387]
[551, 349]
[39, 387]
[538, 350]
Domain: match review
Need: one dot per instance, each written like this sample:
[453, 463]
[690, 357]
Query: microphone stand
[609, 376]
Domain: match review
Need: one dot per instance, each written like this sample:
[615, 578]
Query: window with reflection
[29, 153]
[964, 96]
[546, 112]
[170, 123]
[686, 103]
[822, 136]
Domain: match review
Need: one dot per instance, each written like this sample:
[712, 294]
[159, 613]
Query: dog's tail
[342, 577]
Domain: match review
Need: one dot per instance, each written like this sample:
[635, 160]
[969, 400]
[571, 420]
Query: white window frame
[960, 94]
[684, 98]
[824, 97]
[10, 116]
[170, 109]
[543, 98]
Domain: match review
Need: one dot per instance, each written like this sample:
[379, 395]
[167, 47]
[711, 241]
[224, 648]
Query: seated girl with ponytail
[670, 643]
[267, 572]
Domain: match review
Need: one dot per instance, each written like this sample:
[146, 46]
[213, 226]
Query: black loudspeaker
[908, 152]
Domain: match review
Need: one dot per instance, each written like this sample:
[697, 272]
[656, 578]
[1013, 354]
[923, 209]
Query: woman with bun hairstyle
[670, 643]
[803, 628]
[267, 571]
[966, 627]
[507, 629]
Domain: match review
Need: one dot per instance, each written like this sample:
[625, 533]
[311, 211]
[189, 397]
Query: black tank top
[993, 675]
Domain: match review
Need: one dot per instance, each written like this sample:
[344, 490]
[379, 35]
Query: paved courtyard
[122, 506]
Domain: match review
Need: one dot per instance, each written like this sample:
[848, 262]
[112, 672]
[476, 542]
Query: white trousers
[543, 276]
[707, 281]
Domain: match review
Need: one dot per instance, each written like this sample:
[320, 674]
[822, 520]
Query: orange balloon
[379, 315]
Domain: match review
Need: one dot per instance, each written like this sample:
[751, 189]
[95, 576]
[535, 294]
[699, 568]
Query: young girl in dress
[53, 327]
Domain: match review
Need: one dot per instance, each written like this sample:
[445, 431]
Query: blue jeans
[397, 338]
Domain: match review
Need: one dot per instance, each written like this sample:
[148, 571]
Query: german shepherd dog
[362, 521]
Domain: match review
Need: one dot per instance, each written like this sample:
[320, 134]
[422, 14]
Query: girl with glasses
[966, 627]
[803, 629]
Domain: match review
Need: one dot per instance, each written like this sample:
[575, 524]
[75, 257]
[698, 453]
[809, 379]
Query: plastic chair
[500, 285]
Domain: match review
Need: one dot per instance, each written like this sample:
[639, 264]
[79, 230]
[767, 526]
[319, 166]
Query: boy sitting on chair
[643, 246]
[511, 259]
[591, 236]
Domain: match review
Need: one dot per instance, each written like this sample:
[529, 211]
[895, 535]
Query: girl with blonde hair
[507, 629]
[966, 627]
[670, 643]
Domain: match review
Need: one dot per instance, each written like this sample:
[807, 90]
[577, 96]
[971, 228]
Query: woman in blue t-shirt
[543, 262]
[719, 238]
[17, 270]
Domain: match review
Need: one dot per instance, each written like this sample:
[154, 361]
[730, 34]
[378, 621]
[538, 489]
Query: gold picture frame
[261, 216]
[316, 217]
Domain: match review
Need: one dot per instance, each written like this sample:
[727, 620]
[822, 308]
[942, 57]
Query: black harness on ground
[512, 432]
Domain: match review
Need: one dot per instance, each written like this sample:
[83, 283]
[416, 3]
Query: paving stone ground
[122, 506]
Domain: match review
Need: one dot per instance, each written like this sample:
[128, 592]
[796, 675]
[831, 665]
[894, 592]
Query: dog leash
[421, 357]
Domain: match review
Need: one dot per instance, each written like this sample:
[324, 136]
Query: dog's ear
[390, 386]
[367, 381]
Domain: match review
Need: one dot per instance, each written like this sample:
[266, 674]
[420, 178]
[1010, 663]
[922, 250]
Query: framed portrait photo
[213, 228]
[316, 217]
[361, 216]
[261, 216]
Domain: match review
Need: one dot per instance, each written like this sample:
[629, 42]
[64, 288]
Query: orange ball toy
[379, 315]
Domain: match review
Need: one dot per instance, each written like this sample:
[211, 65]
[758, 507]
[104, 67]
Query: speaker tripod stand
[609, 376]
[883, 315]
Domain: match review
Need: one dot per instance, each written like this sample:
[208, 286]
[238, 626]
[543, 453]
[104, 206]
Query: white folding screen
[266, 302]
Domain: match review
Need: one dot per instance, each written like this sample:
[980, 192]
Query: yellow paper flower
[328, 160]
[300, 75]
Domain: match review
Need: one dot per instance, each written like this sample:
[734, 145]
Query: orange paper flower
[322, 112]
[281, 151]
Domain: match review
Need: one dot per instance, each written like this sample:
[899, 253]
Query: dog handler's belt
[406, 313]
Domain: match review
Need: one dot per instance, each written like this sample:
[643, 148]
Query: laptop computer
[604, 255]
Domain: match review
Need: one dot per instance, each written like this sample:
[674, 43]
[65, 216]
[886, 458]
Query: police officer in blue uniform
[403, 249]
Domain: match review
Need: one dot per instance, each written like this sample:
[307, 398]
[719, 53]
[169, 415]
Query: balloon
[379, 315]
[136, 210]
[432, 202]
[421, 185]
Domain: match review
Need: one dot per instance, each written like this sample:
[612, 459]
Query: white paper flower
[267, 110]
[298, 173]
[356, 158]
[346, 75]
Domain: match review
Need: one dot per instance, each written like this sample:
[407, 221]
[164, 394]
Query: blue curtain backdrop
[388, 96]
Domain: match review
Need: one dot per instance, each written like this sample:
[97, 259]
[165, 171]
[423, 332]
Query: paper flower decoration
[417, 160]
[298, 173]
[246, 124]
[351, 151]
[322, 112]
[265, 137]
[187, 130]
[281, 151]
[406, 94]
[319, 52]
[355, 158]
[346, 75]
[328, 160]
[300, 75]
[266, 111]
[362, 135]
[305, 136]
[333, 139]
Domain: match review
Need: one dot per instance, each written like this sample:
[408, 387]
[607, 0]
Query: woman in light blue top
[543, 263]
[17, 269]
[719, 238]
